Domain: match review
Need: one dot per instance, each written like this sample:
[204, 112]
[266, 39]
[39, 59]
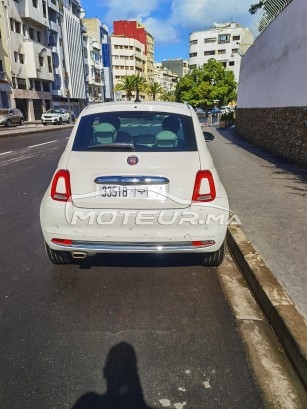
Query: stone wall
[281, 130]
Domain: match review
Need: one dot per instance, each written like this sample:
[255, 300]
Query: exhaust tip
[80, 255]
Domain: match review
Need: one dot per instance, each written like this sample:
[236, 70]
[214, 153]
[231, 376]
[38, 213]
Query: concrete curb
[288, 324]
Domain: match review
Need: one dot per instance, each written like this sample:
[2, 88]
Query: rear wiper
[112, 145]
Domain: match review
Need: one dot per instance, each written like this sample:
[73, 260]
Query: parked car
[200, 113]
[11, 116]
[214, 111]
[225, 109]
[55, 116]
[135, 178]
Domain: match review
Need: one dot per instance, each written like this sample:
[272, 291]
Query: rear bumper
[93, 232]
[137, 247]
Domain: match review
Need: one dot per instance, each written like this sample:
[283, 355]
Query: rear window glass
[136, 131]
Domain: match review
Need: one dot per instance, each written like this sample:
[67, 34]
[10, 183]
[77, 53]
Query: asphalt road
[162, 323]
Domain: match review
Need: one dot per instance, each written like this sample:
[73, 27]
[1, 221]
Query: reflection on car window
[147, 131]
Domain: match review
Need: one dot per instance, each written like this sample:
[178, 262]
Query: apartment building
[135, 30]
[177, 65]
[98, 66]
[40, 49]
[167, 79]
[128, 58]
[225, 42]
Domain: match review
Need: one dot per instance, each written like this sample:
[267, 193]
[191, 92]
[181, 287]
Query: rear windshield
[137, 131]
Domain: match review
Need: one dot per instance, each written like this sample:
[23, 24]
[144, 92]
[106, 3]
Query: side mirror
[208, 136]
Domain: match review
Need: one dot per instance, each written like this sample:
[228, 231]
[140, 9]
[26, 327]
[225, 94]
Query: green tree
[140, 84]
[202, 86]
[127, 84]
[168, 96]
[154, 89]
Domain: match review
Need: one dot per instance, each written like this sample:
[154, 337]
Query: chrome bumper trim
[139, 247]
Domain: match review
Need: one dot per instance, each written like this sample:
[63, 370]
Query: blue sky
[171, 21]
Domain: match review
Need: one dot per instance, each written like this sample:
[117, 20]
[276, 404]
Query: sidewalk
[269, 195]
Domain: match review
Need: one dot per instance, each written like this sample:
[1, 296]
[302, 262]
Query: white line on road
[40, 144]
[6, 153]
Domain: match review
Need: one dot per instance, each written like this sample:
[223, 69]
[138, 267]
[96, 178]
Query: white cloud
[130, 10]
[167, 20]
[199, 14]
[162, 31]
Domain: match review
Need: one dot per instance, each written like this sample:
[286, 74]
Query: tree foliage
[126, 84]
[131, 84]
[203, 87]
[154, 89]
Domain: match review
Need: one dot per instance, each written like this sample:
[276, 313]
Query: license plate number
[131, 192]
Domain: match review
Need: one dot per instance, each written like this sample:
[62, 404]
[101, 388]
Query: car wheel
[44, 123]
[8, 123]
[68, 120]
[21, 122]
[60, 121]
[214, 259]
[58, 257]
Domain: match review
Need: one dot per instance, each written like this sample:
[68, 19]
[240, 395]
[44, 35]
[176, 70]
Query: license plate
[131, 192]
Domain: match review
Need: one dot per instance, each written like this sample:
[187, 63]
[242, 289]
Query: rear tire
[214, 259]
[8, 123]
[21, 122]
[58, 257]
[60, 121]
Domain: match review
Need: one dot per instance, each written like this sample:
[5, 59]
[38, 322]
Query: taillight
[66, 242]
[60, 187]
[204, 188]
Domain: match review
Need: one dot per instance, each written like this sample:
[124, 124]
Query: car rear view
[135, 177]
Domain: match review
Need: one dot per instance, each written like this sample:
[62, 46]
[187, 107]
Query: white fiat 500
[135, 178]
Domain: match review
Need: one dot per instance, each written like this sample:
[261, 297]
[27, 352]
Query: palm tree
[154, 88]
[127, 84]
[168, 96]
[140, 84]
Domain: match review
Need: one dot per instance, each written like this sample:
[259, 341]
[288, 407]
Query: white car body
[55, 116]
[140, 197]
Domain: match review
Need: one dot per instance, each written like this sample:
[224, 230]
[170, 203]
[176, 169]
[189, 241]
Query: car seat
[104, 133]
[167, 138]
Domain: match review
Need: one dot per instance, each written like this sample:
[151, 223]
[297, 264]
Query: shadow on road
[124, 389]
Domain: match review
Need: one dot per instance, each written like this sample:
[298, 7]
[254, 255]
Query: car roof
[160, 106]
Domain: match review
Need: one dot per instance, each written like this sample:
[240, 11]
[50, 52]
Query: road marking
[6, 153]
[40, 144]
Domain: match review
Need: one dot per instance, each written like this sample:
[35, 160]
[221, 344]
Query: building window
[223, 38]
[21, 83]
[235, 50]
[34, 2]
[15, 56]
[49, 63]
[18, 27]
[41, 61]
[21, 58]
[210, 40]
[193, 42]
[231, 63]
[44, 9]
[37, 85]
[211, 52]
[31, 33]
[236, 38]
[12, 24]
[221, 51]
[193, 54]
[38, 36]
